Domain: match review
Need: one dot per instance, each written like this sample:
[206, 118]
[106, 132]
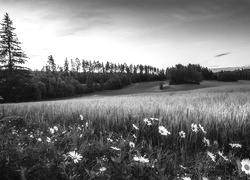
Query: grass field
[100, 128]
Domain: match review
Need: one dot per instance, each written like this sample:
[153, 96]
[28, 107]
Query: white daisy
[147, 122]
[245, 166]
[194, 127]
[131, 144]
[75, 156]
[186, 178]
[163, 131]
[115, 148]
[224, 157]
[206, 141]
[154, 119]
[55, 128]
[48, 139]
[234, 145]
[211, 155]
[134, 126]
[182, 134]
[110, 140]
[141, 159]
[102, 169]
[202, 129]
[52, 131]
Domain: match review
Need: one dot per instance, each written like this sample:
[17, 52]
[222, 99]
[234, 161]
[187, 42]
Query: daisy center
[246, 167]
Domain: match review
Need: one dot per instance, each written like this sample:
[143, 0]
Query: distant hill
[229, 68]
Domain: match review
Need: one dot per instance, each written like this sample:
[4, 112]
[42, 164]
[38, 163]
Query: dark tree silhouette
[51, 64]
[14, 78]
[66, 65]
[11, 53]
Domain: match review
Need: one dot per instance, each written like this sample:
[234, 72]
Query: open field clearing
[153, 87]
[169, 135]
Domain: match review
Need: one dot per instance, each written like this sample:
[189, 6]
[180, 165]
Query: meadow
[181, 132]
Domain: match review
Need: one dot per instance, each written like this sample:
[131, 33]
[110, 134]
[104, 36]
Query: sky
[161, 33]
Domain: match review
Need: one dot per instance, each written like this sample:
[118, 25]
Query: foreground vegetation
[176, 135]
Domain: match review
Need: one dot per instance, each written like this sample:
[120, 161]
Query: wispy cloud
[223, 54]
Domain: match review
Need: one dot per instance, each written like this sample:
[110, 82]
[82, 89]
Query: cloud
[223, 54]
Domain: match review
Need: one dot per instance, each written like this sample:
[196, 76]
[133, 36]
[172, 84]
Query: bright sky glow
[160, 33]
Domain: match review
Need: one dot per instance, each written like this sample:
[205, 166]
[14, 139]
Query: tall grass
[224, 112]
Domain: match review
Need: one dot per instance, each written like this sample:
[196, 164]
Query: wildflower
[186, 178]
[134, 126]
[202, 129]
[211, 155]
[52, 131]
[182, 134]
[154, 119]
[234, 145]
[87, 124]
[110, 140]
[48, 139]
[115, 148]
[224, 157]
[31, 136]
[194, 127]
[14, 132]
[131, 144]
[141, 159]
[102, 169]
[80, 135]
[55, 128]
[104, 158]
[182, 167]
[75, 156]
[147, 122]
[204, 178]
[39, 139]
[163, 131]
[81, 117]
[206, 141]
[245, 166]
[64, 132]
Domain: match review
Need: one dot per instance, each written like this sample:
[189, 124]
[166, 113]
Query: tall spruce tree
[51, 64]
[13, 76]
[12, 56]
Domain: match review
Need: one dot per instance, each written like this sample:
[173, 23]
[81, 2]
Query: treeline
[190, 74]
[194, 74]
[239, 74]
[80, 77]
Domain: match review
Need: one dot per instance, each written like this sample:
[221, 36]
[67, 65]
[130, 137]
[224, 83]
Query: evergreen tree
[73, 66]
[11, 53]
[51, 64]
[14, 78]
[77, 64]
[66, 65]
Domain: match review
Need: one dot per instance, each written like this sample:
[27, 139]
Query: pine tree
[77, 64]
[14, 78]
[66, 65]
[11, 53]
[73, 66]
[51, 64]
